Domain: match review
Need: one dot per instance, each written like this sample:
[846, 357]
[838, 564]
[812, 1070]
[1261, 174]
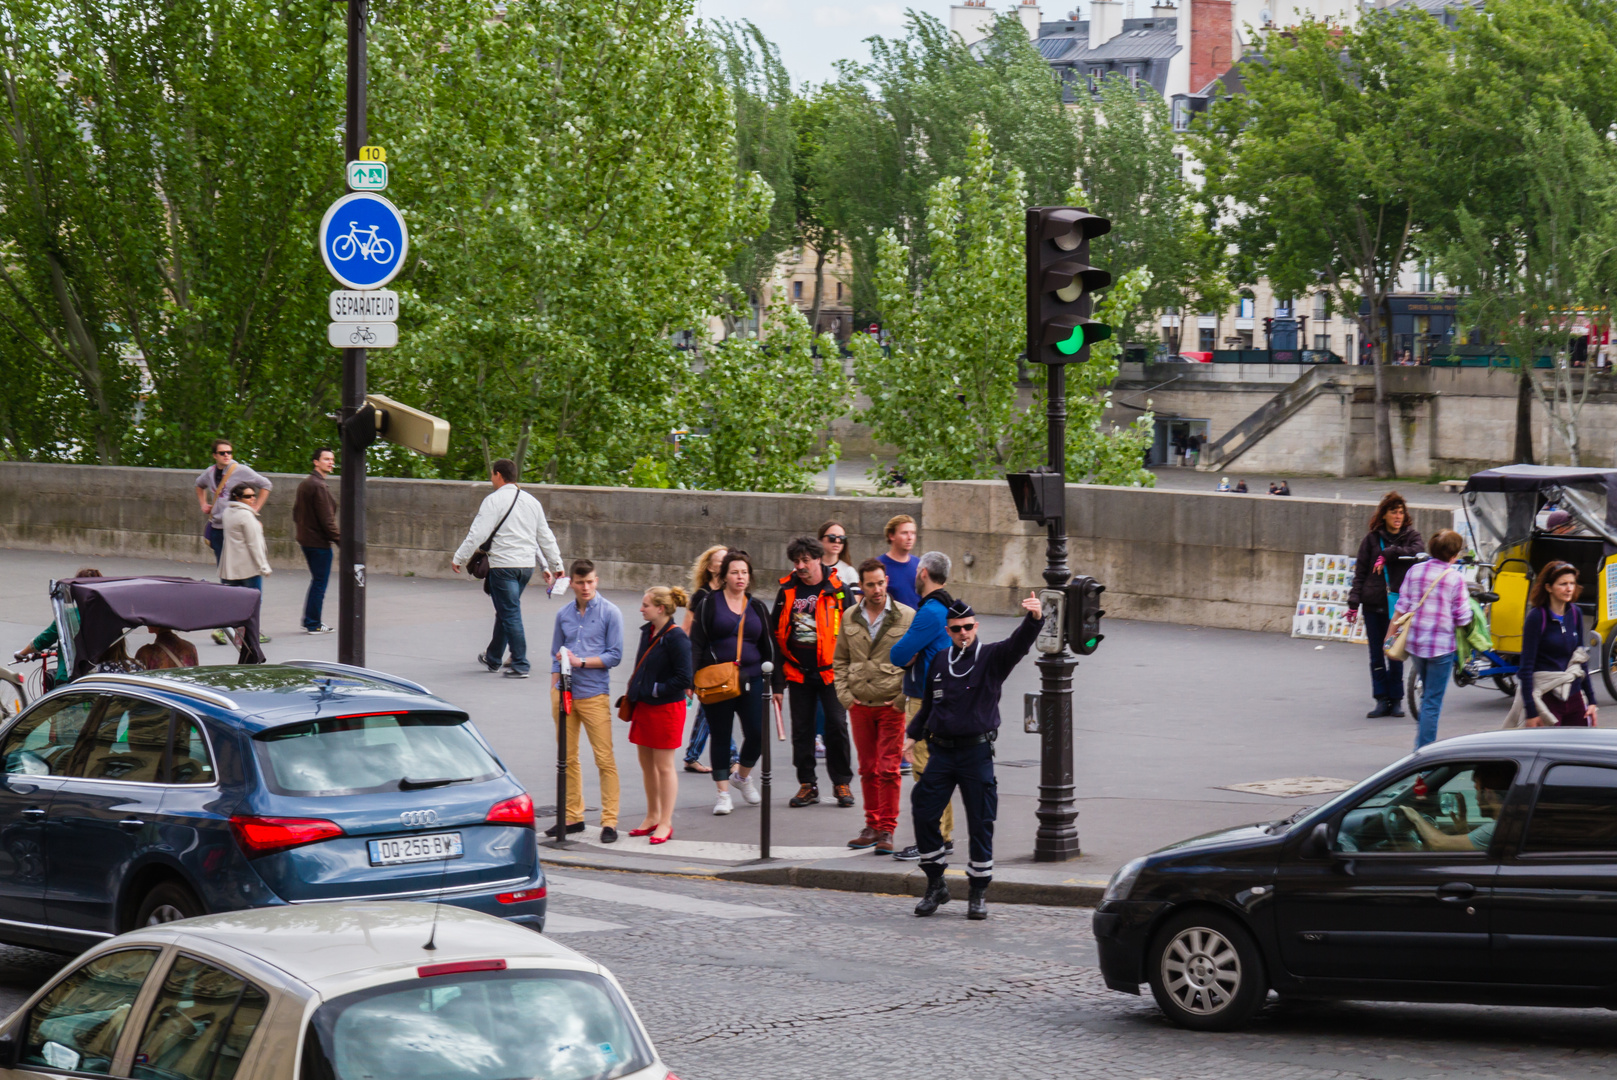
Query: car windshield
[352, 755]
[504, 1025]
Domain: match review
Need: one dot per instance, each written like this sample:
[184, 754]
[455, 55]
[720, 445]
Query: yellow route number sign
[372, 153]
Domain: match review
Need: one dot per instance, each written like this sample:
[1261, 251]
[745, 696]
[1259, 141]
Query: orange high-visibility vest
[827, 625]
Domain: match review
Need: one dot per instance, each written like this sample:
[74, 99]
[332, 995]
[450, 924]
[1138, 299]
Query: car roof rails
[331, 667]
[173, 686]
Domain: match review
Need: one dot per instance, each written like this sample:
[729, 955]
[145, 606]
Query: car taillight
[522, 896]
[517, 811]
[265, 835]
[458, 967]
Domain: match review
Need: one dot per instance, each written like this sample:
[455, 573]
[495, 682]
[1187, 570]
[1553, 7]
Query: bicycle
[20, 688]
[362, 335]
[367, 245]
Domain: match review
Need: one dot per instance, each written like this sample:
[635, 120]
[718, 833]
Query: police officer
[959, 719]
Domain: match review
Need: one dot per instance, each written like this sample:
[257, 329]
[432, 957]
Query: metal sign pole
[765, 729]
[351, 549]
[1057, 836]
[565, 688]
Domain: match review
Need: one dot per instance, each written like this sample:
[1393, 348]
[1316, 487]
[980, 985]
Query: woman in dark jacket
[657, 686]
[1379, 572]
[1552, 631]
[721, 617]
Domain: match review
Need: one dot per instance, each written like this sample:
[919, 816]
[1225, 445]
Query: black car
[1482, 869]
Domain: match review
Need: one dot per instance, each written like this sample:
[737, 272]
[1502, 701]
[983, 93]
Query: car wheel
[1205, 972]
[166, 903]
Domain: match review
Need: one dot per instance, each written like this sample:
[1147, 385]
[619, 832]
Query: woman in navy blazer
[657, 688]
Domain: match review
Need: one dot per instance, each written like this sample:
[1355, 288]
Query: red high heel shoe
[643, 832]
[663, 839]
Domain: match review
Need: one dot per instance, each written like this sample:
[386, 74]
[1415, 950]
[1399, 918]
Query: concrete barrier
[1208, 559]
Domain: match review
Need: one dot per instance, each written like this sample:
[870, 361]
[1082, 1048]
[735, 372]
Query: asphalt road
[764, 982]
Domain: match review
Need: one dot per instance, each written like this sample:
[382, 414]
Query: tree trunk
[819, 291]
[1384, 462]
[1523, 453]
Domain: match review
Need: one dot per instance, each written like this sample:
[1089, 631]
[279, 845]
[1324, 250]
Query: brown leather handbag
[625, 706]
[721, 682]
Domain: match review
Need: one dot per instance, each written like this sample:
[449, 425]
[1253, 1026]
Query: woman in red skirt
[662, 675]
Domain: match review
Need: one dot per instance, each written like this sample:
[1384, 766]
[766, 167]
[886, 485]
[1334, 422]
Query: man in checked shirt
[1435, 592]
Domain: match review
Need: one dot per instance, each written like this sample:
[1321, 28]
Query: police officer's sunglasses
[962, 627]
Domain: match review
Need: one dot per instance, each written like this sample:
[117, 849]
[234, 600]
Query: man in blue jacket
[926, 637]
[959, 717]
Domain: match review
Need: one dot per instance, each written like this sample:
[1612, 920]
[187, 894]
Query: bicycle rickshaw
[99, 612]
[1514, 532]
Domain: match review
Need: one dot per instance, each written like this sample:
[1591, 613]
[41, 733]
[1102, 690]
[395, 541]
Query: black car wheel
[1205, 972]
[166, 903]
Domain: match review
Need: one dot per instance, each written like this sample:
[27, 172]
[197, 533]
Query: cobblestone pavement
[766, 982]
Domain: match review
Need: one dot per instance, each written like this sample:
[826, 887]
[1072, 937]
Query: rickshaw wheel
[1416, 687]
[1506, 684]
[1606, 648]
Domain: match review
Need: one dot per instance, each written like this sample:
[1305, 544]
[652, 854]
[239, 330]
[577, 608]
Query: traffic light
[383, 418]
[1038, 495]
[1084, 614]
[1060, 282]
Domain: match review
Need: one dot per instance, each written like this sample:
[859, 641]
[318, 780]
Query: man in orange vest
[807, 619]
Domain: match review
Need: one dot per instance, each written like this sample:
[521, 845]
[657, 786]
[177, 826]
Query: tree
[570, 175]
[162, 168]
[1131, 172]
[904, 121]
[1553, 264]
[815, 230]
[1328, 169]
[946, 390]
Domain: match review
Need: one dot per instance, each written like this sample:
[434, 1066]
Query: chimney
[970, 20]
[1029, 12]
[1105, 21]
[1164, 11]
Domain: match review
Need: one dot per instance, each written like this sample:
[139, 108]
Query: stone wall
[1200, 558]
[1205, 559]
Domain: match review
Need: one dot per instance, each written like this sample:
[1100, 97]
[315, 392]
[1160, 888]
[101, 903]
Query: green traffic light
[1073, 343]
[1091, 643]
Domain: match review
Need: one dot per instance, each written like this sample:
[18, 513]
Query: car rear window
[554, 1025]
[353, 755]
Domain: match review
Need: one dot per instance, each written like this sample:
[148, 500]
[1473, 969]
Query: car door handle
[34, 813]
[1456, 891]
[131, 824]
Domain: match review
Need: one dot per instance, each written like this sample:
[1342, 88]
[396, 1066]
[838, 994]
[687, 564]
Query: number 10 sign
[363, 240]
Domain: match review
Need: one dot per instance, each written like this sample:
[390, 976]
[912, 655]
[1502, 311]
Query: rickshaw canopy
[103, 609]
[1503, 505]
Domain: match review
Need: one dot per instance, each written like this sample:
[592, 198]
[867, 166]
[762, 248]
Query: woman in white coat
[243, 560]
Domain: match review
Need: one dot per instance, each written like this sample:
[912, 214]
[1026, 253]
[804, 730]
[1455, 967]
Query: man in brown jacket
[314, 513]
[868, 685]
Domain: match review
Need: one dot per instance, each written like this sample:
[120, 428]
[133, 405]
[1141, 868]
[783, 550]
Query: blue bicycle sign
[363, 240]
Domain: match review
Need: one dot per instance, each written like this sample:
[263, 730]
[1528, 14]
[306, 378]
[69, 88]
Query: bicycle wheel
[1605, 666]
[381, 250]
[344, 248]
[1506, 684]
[1416, 687]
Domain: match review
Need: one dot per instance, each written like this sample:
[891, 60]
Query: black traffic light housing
[1084, 614]
[1039, 495]
[1060, 284]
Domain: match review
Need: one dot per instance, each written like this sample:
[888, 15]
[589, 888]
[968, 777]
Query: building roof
[1067, 42]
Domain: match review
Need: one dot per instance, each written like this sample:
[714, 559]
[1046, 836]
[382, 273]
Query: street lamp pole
[1057, 835]
[351, 549]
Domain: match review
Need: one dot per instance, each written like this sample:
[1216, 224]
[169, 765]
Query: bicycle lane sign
[363, 240]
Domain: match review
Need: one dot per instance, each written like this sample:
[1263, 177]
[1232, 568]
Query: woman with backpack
[1385, 556]
[1555, 687]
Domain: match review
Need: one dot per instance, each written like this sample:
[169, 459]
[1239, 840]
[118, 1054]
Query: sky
[814, 34]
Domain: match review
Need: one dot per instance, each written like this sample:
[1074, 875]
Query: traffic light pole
[1057, 835]
[351, 523]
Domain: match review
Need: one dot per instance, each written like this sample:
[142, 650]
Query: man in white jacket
[513, 524]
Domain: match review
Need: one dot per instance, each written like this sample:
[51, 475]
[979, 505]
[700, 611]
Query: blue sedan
[130, 800]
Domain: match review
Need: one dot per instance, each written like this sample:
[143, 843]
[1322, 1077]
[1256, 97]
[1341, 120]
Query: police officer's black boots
[937, 890]
[977, 902]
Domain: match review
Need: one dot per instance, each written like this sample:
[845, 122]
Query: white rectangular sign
[347, 335]
[367, 175]
[367, 305]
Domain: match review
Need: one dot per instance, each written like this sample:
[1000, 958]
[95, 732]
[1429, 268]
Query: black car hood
[1258, 831]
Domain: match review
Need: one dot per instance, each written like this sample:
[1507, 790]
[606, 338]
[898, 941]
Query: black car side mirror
[1317, 844]
[8, 1051]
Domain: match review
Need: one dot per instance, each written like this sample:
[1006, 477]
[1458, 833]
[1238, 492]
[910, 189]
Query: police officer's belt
[961, 742]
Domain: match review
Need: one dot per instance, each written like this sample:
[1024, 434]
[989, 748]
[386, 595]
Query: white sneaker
[723, 805]
[750, 792]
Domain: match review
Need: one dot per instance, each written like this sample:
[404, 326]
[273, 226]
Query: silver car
[373, 991]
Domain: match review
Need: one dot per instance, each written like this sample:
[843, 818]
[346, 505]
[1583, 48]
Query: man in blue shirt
[591, 631]
[927, 636]
[900, 564]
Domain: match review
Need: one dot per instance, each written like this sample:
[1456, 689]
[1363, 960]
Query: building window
[1322, 307]
[1131, 72]
[1322, 342]
[1181, 113]
[1283, 308]
[1247, 309]
[839, 290]
[797, 290]
[1206, 339]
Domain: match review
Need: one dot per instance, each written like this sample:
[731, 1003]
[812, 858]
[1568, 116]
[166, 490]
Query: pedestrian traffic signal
[1060, 284]
[1084, 614]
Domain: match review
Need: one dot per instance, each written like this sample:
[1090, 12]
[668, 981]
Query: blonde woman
[657, 688]
[704, 581]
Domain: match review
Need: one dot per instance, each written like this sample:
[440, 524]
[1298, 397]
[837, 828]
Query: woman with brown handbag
[730, 642]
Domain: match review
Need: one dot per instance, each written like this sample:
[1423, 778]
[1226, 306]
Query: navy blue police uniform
[959, 719]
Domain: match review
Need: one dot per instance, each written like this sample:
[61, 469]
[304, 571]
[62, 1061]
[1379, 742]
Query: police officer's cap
[961, 610]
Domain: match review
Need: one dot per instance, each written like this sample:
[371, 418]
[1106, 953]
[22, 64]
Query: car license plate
[407, 849]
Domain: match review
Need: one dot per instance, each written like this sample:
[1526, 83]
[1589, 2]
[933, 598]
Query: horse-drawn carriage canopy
[104, 609]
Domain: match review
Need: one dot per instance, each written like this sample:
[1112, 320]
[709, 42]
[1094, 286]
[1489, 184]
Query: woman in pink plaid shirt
[1431, 631]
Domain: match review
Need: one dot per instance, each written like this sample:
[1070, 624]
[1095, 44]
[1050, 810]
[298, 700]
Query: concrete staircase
[1276, 411]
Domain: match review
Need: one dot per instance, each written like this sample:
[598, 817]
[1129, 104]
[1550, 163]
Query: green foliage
[904, 121]
[946, 392]
[764, 407]
[570, 178]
